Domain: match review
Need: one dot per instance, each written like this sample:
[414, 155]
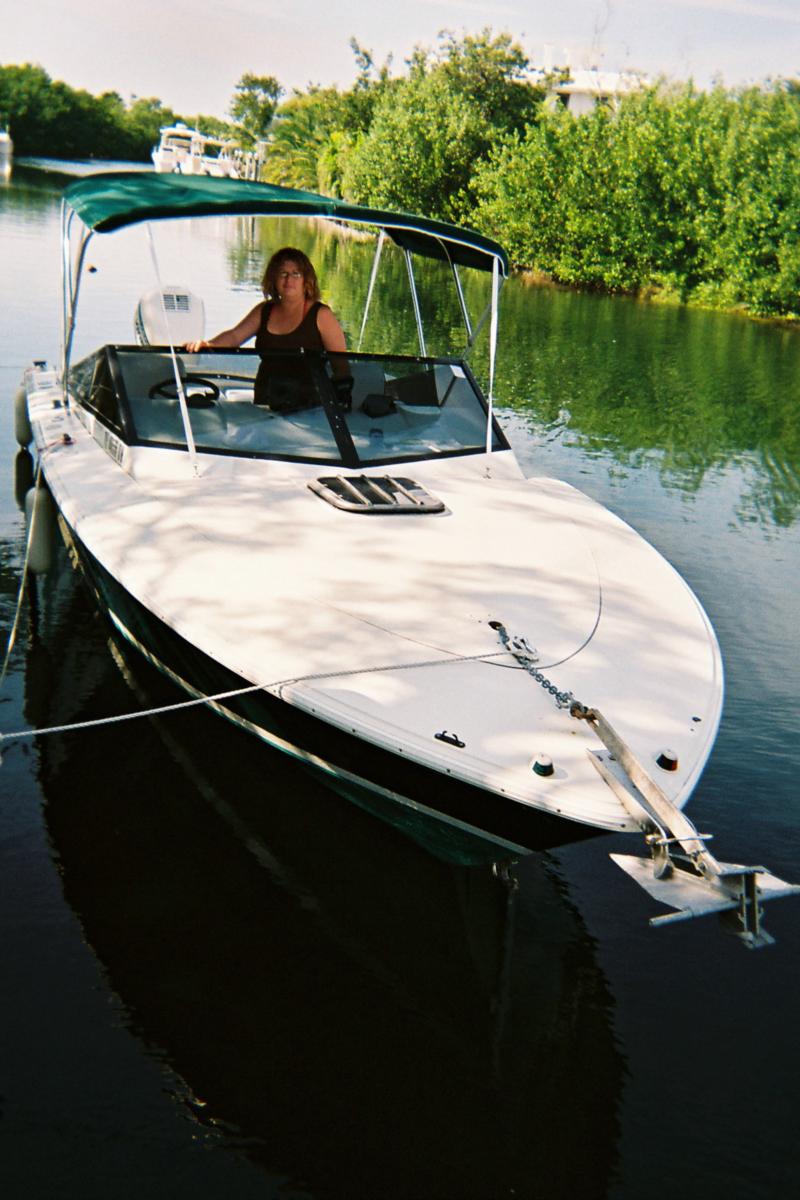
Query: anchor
[680, 872]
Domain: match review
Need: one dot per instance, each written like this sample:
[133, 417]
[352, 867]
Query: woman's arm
[330, 331]
[229, 339]
[333, 340]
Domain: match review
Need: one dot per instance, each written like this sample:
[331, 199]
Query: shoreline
[652, 295]
[529, 276]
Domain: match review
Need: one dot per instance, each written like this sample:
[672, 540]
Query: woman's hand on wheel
[195, 347]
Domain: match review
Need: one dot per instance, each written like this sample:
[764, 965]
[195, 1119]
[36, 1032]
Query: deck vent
[376, 494]
[176, 302]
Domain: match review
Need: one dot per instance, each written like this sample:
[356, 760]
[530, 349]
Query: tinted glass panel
[343, 409]
[231, 407]
[406, 409]
[92, 382]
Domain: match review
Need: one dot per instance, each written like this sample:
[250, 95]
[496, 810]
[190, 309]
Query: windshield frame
[323, 368]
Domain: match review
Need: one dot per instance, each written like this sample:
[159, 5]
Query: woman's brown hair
[269, 284]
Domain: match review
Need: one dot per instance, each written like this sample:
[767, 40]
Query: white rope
[131, 716]
[12, 637]
[187, 428]
[250, 688]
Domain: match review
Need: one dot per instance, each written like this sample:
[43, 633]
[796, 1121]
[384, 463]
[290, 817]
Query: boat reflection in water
[347, 1008]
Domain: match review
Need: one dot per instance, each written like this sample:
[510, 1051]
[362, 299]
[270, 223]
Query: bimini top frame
[113, 200]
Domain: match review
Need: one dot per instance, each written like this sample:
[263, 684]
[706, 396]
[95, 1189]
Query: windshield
[415, 409]
[347, 409]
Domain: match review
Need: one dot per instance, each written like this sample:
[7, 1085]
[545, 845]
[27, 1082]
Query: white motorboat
[373, 587]
[185, 151]
[6, 153]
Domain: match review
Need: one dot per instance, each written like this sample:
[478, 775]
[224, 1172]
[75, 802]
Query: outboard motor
[175, 316]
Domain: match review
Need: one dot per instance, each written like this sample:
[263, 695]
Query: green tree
[430, 130]
[691, 193]
[621, 200]
[756, 253]
[215, 127]
[253, 106]
[313, 132]
[31, 107]
[143, 122]
[357, 106]
[50, 118]
[305, 141]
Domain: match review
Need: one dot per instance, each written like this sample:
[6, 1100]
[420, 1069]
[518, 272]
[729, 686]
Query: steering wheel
[167, 389]
[227, 376]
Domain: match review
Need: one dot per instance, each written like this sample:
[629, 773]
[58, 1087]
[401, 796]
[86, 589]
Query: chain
[562, 699]
[527, 657]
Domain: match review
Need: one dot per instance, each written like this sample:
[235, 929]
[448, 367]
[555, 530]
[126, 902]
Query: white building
[588, 87]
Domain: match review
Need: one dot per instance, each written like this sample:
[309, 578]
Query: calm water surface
[221, 980]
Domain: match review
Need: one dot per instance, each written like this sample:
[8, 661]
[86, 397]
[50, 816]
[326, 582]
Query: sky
[191, 54]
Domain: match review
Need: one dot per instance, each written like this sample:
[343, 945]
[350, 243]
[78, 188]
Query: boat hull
[367, 647]
[476, 824]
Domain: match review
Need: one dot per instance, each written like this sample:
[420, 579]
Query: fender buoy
[40, 521]
[23, 477]
[22, 425]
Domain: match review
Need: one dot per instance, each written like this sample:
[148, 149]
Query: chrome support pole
[415, 301]
[462, 301]
[65, 272]
[74, 292]
[492, 349]
[372, 278]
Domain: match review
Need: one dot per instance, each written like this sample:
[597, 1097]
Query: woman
[291, 317]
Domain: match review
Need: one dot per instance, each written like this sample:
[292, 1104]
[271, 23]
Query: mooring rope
[160, 710]
[12, 637]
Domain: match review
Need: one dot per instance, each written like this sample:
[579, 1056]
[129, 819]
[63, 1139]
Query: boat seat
[421, 388]
[369, 379]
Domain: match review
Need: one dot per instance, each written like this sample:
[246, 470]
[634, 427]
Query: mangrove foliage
[674, 192]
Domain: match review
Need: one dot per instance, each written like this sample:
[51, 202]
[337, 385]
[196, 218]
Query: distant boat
[6, 153]
[185, 151]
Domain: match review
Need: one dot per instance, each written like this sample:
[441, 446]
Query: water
[219, 979]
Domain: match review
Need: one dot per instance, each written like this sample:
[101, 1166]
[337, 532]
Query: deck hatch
[376, 494]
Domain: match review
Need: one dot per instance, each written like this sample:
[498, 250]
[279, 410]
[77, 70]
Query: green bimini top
[112, 200]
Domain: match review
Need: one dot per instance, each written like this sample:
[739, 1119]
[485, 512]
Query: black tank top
[305, 336]
[285, 384]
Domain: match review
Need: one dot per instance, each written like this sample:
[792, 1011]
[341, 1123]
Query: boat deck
[393, 640]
